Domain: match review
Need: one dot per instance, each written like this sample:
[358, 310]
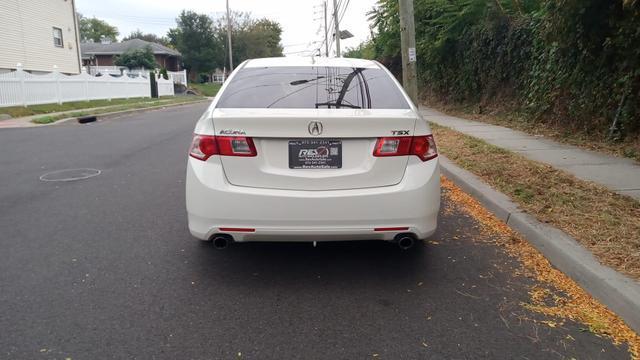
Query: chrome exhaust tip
[405, 241]
[221, 241]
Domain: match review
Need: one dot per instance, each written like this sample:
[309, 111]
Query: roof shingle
[118, 48]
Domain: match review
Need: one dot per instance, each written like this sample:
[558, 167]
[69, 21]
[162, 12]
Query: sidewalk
[617, 174]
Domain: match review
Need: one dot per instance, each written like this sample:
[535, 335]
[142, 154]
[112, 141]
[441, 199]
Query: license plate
[315, 154]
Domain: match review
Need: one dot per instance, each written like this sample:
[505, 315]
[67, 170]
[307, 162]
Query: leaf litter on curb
[556, 295]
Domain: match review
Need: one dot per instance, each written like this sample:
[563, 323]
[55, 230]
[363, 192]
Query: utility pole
[408, 48]
[337, 29]
[229, 38]
[326, 31]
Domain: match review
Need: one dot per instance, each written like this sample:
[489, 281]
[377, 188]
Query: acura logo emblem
[315, 128]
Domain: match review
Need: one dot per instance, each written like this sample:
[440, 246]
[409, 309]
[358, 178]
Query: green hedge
[567, 61]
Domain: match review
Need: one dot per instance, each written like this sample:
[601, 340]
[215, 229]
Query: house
[39, 34]
[101, 54]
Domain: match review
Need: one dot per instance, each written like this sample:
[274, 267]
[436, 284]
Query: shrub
[138, 58]
[163, 73]
[573, 62]
[203, 78]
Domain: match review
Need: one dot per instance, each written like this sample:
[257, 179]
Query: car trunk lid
[282, 135]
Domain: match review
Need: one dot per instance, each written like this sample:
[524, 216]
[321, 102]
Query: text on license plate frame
[315, 154]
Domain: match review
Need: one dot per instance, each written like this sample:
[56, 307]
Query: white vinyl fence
[165, 87]
[178, 77]
[22, 88]
[104, 70]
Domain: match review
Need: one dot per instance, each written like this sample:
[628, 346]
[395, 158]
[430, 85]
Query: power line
[312, 42]
[340, 10]
[344, 10]
[298, 44]
[297, 52]
[331, 24]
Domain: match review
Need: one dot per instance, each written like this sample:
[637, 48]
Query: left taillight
[236, 146]
[423, 147]
[204, 146]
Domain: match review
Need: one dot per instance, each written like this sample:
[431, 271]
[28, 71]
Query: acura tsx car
[312, 149]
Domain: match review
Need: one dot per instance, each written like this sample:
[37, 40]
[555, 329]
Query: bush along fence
[22, 88]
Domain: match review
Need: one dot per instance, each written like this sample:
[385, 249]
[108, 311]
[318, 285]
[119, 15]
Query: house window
[57, 37]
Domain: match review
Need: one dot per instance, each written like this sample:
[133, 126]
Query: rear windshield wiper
[340, 102]
[304, 81]
[337, 105]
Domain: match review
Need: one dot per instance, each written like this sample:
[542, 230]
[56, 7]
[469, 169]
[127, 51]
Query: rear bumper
[293, 215]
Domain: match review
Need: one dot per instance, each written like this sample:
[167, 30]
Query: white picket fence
[22, 88]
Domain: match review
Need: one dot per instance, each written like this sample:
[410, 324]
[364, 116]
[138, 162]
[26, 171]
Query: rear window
[308, 87]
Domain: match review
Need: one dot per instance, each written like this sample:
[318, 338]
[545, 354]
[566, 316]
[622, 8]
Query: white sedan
[304, 149]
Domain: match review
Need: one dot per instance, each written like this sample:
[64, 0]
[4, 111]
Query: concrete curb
[618, 292]
[125, 112]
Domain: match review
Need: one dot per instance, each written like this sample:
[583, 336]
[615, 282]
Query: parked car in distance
[303, 149]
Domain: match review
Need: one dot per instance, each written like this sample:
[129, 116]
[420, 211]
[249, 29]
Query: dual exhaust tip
[221, 241]
[404, 241]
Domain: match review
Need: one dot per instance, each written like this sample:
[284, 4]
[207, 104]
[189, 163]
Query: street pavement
[615, 173]
[104, 268]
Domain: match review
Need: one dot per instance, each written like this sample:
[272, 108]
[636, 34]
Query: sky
[301, 20]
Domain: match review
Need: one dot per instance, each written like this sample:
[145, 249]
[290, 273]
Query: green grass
[606, 223]
[20, 111]
[47, 119]
[206, 89]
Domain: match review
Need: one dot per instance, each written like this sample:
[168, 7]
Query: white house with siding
[39, 34]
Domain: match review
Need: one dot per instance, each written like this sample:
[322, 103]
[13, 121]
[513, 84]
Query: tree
[251, 38]
[363, 51]
[195, 38]
[138, 34]
[95, 29]
[263, 39]
[138, 58]
[574, 65]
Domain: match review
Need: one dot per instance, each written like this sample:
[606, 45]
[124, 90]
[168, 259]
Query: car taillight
[236, 146]
[392, 146]
[423, 147]
[204, 146]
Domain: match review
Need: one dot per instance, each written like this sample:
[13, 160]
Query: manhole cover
[70, 174]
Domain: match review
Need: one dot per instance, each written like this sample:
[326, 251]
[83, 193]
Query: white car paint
[260, 198]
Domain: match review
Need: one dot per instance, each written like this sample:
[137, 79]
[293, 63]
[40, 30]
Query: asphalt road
[105, 268]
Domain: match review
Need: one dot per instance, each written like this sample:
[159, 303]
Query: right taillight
[424, 147]
[204, 146]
